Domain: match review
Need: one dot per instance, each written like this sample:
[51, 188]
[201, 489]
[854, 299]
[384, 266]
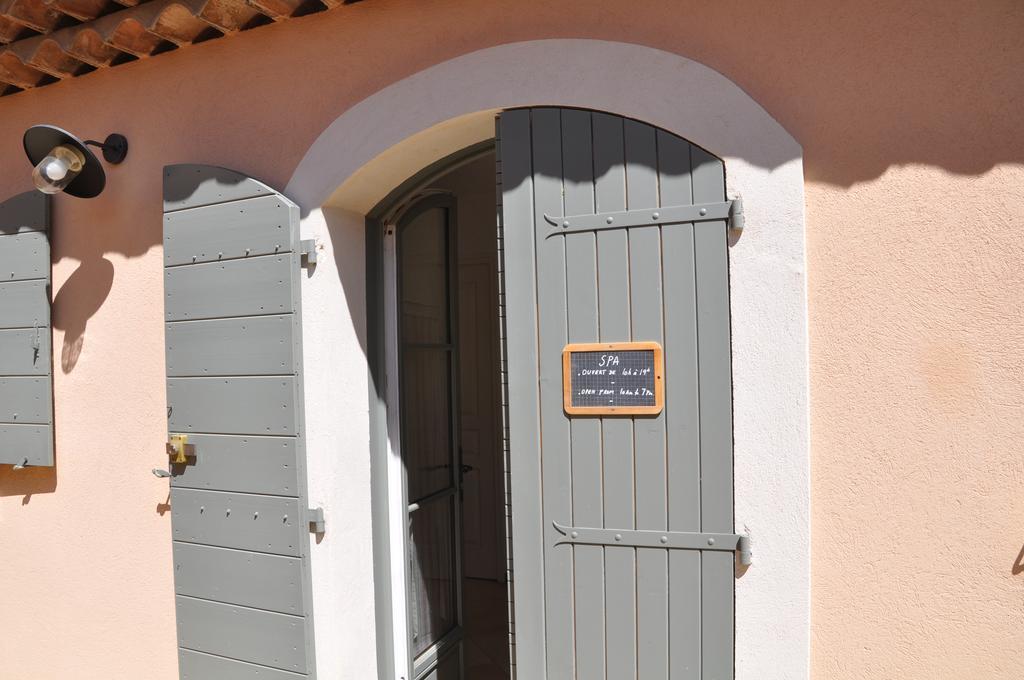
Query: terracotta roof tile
[44, 41]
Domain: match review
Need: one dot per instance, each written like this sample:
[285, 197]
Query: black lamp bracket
[115, 147]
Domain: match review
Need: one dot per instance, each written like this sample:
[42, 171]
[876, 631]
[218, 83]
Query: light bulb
[58, 169]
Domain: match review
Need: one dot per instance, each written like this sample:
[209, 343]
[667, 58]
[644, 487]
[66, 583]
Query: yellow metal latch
[178, 449]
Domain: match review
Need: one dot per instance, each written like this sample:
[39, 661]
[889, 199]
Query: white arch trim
[384, 139]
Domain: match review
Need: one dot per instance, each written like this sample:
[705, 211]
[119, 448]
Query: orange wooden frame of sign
[659, 379]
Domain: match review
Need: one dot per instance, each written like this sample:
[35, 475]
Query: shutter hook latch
[35, 342]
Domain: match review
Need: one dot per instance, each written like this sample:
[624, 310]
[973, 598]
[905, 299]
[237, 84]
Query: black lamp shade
[41, 139]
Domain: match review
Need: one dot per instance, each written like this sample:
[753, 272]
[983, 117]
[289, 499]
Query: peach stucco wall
[909, 116]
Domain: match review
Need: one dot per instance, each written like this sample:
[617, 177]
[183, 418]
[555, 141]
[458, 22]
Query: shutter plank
[528, 526]
[246, 228]
[24, 256]
[261, 465]
[232, 405]
[242, 346]
[20, 356]
[681, 411]
[255, 286]
[551, 314]
[261, 581]
[31, 442]
[617, 433]
[581, 283]
[265, 638]
[645, 263]
[26, 400]
[270, 524]
[714, 365]
[199, 666]
[24, 304]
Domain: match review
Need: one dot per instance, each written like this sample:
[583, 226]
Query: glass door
[427, 356]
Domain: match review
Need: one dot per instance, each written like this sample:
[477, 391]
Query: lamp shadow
[78, 299]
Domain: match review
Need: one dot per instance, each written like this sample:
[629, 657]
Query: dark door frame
[382, 217]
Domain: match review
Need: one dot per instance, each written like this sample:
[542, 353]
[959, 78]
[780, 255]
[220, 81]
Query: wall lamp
[65, 163]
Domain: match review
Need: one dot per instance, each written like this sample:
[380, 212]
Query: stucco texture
[909, 117]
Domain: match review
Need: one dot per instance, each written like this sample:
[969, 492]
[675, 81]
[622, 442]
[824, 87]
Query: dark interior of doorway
[474, 289]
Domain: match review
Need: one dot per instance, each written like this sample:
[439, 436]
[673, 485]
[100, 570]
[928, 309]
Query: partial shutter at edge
[26, 359]
[232, 267]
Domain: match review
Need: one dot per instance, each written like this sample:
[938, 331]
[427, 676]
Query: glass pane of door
[429, 434]
[427, 441]
[432, 601]
[424, 272]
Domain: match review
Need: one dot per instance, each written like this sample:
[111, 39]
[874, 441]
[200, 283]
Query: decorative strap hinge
[731, 211]
[669, 540]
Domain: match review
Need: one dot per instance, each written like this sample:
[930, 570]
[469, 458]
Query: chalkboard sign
[619, 378]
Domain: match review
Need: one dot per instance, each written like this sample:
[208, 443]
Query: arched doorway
[446, 107]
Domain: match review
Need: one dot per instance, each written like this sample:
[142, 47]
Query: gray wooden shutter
[26, 361]
[234, 387]
[615, 606]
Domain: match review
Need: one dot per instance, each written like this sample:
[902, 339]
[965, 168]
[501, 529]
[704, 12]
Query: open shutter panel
[234, 388]
[26, 361]
[615, 231]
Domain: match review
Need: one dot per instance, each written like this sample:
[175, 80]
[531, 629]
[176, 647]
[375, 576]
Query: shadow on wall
[879, 86]
[88, 230]
[78, 299]
[27, 482]
[347, 227]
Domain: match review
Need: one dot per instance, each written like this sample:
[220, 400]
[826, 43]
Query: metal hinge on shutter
[668, 540]
[308, 250]
[732, 211]
[315, 517]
